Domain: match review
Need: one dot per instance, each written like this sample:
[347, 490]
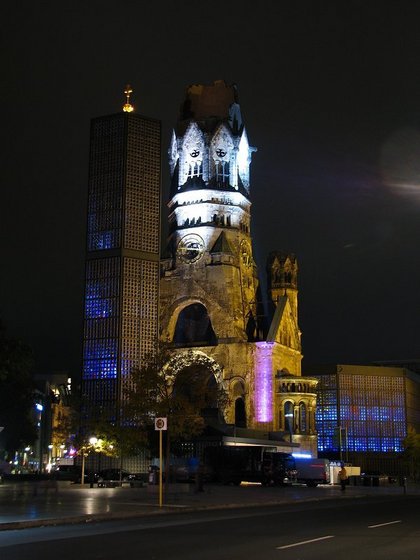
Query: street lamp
[82, 480]
[50, 457]
[92, 442]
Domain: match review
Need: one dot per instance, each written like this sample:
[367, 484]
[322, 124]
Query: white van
[312, 471]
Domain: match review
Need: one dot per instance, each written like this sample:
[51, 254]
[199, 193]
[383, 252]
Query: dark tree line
[16, 395]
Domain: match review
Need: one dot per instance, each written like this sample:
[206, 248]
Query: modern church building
[365, 412]
[122, 260]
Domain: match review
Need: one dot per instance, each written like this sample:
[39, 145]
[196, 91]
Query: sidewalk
[25, 505]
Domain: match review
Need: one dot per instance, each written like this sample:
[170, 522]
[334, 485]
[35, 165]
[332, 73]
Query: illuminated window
[222, 172]
[288, 416]
[302, 417]
[195, 169]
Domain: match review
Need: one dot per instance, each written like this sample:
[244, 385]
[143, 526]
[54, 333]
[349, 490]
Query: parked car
[374, 478]
[113, 477]
[69, 472]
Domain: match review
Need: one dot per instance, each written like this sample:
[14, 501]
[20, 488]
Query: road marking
[304, 542]
[383, 524]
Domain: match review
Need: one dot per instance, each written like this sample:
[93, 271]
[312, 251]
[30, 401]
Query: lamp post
[289, 416]
[82, 481]
[92, 442]
[50, 456]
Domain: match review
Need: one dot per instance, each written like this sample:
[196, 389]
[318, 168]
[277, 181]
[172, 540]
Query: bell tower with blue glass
[122, 258]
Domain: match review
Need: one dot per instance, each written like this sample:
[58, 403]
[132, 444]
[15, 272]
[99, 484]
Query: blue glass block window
[359, 444]
[399, 414]
[345, 399]
[399, 429]
[100, 369]
[374, 413]
[374, 444]
[101, 298]
[104, 240]
[345, 412]
[95, 349]
[100, 359]
[99, 308]
[398, 446]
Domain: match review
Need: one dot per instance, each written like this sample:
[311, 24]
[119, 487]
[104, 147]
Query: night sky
[330, 94]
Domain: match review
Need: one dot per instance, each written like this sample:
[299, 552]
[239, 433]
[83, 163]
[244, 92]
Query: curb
[166, 509]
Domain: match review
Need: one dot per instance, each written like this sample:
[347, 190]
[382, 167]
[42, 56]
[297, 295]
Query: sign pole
[161, 424]
[160, 470]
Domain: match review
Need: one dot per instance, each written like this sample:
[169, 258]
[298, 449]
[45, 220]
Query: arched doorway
[238, 399]
[193, 372]
[197, 384]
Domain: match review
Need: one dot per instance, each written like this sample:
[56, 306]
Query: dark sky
[330, 93]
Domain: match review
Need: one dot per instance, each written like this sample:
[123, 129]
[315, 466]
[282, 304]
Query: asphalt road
[372, 528]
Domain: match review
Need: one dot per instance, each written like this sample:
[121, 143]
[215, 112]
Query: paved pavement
[31, 504]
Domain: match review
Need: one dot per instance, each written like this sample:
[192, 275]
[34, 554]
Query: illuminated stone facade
[210, 301]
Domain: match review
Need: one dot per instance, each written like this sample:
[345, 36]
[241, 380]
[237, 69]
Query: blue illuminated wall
[100, 350]
[370, 407]
[122, 261]
[327, 412]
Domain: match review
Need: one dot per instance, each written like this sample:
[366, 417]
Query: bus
[239, 463]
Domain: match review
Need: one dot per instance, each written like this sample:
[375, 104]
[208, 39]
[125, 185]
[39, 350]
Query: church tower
[209, 290]
[209, 212]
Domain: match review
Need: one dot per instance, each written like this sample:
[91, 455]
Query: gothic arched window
[302, 418]
[194, 327]
[222, 171]
[195, 169]
[288, 416]
[240, 413]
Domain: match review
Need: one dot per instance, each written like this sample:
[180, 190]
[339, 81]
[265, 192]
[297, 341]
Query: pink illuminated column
[263, 367]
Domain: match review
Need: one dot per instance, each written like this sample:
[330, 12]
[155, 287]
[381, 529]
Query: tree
[156, 390]
[411, 454]
[16, 394]
[112, 438]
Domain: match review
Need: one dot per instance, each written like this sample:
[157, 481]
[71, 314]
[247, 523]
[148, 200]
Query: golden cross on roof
[127, 107]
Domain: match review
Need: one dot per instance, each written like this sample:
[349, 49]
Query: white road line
[305, 542]
[383, 524]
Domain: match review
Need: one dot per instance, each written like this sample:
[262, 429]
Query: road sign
[161, 424]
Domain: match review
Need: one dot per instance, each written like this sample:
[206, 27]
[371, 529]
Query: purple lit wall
[263, 367]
